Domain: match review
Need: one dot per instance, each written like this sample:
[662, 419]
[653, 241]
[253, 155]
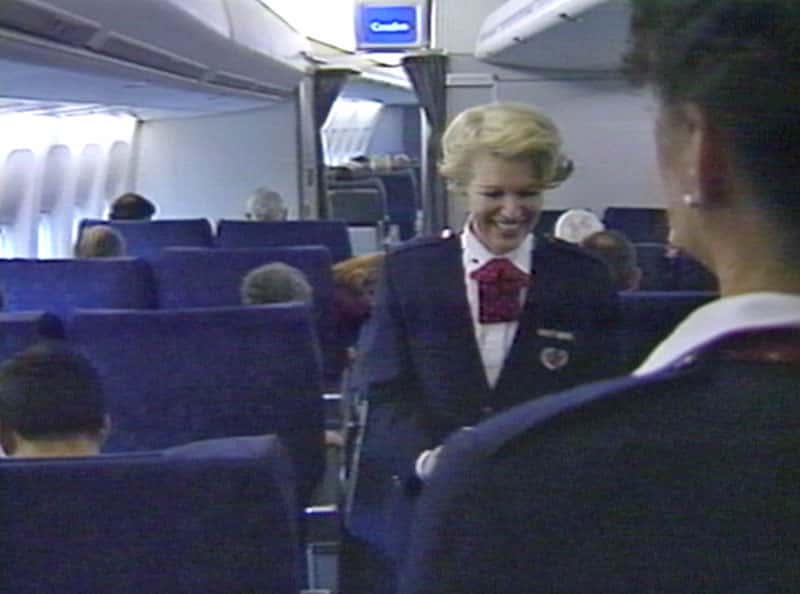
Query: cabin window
[348, 129]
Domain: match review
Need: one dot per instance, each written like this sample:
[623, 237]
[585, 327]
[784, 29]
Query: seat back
[638, 224]
[547, 222]
[146, 238]
[658, 273]
[20, 330]
[59, 286]
[175, 376]
[247, 234]
[215, 518]
[648, 317]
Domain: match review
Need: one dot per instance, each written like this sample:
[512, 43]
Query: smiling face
[505, 200]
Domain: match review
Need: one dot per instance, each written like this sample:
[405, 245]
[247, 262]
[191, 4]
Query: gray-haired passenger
[275, 283]
[265, 205]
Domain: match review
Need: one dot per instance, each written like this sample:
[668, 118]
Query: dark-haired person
[466, 325]
[51, 404]
[619, 254]
[682, 478]
[131, 207]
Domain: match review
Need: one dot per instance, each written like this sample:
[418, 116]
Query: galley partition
[174, 376]
[214, 517]
[147, 238]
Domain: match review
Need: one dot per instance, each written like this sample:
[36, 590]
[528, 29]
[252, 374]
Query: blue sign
[388, 26]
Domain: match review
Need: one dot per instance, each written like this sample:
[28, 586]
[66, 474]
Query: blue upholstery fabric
[146, 238]
[20, 330]
[245, 234]
[547, 222]
[182, 375]
[58, 286]
[197, 277]
[638, 224]
[648, 317]
[690, 275]
[212, 518]
[658, 272]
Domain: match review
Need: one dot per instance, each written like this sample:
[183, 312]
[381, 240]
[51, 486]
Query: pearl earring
[691, 200]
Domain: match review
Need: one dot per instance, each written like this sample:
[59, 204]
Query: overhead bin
[585, 35]
[232, 45]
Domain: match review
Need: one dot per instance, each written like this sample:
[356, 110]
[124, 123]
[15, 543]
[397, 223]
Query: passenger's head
[725, 73]
[131, 207]
[275, 283]
[265, 205]
[51, 404]
[359, 274]
[619, 254]
[501, 158]
[100, 241]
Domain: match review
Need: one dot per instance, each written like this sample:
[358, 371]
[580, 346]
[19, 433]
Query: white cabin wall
[607, 128]
[208, 166]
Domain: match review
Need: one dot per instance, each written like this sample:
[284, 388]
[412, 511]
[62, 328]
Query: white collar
[476, 254]
[719, 318]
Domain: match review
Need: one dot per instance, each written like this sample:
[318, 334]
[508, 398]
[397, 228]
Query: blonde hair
[100, 241]
[508, 131]
[358, 272]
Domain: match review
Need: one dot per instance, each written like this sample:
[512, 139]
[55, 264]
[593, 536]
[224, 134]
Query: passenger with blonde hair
[469, 324]
[100, 241]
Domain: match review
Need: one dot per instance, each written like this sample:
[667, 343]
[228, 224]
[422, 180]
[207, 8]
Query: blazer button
[487, 411]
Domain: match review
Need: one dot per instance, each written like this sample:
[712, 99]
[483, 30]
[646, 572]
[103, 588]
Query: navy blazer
[421, 370]
[683, 481]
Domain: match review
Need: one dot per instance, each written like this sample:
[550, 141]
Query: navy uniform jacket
[422, 372]
[682, 481]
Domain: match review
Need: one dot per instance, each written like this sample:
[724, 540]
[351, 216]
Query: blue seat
[638, 224]
[197, 277]
[547, 222]
[648, 317]
[210, 518]
[146, 238]
[174, 376]
[247, 234]
[658, 273]
[690, 275]
[59, 286]
[20, 330]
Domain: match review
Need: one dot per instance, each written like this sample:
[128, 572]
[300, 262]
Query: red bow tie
[499, 284]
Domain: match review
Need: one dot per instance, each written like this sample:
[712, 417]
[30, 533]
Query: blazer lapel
[461, 340]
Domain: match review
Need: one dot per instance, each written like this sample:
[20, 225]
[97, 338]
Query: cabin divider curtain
[428, 75]
[326, 88]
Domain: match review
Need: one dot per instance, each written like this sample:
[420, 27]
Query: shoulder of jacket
[423, 243]
[565, 247]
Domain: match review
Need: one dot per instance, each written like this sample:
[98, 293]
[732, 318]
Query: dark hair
[738, 60]
[48, 391]
[131, 206]
[618, 253]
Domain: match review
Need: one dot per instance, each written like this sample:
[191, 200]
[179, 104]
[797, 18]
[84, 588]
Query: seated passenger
[355, 281]
[132, 207]
[619, 254]
[100, 241]
[265, 205]
[51, 404]
[576, 224]
[275, 283]
[683, 478]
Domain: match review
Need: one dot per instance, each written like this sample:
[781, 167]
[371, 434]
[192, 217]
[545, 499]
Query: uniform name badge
[552, 357]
